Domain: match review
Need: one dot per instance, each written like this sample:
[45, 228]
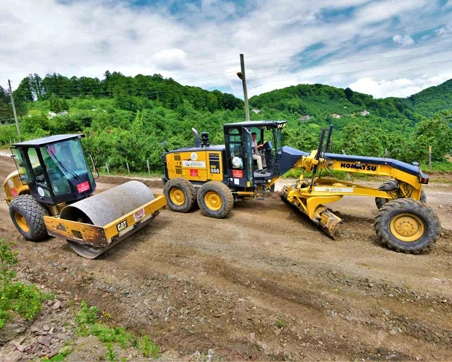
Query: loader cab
[239, 153]
[54, 168]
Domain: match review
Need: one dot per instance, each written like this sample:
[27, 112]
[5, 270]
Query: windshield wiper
[58, 162]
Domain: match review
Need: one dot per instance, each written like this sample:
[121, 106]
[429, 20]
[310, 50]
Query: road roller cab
[54, 168]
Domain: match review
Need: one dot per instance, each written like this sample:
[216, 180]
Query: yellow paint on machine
[198, 165]
[100, 236]
[14, 187]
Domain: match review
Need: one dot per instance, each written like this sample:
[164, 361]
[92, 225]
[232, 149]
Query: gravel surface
[262, 284]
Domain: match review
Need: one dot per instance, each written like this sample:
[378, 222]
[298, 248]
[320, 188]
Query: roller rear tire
[27, 215]
[407, 225]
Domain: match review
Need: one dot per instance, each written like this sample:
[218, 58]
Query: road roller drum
[95, 224]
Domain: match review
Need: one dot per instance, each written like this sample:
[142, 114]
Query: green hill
[433, 99]
[126, 118]
[324, 103]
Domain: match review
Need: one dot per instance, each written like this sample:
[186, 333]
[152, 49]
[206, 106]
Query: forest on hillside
[126, 118]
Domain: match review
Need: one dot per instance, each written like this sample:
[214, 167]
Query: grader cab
[51, 194]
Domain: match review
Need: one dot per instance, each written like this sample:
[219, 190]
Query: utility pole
[242, 76]
[14, 108]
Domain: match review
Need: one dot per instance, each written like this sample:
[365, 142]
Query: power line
[347, 62]
[286, 68]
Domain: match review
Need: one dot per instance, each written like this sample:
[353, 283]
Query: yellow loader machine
[51, 193]
[216, 176]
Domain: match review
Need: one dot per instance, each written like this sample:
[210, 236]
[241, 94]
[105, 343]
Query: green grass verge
[87, 319]
[16, 297]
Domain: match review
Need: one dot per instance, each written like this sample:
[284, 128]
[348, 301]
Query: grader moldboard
[217, 176]
[51, 193]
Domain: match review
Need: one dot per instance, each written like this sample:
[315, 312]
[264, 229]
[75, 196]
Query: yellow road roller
[52, 193]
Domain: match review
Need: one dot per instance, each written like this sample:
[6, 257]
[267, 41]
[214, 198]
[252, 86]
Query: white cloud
[384, 10]
[446, 30]
[404, 40]
[201, 46]
[169, 59]
[402, 87]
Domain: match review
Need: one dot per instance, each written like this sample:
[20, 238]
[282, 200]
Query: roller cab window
[65, 165]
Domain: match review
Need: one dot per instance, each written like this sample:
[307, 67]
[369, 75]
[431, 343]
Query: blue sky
[383, 48]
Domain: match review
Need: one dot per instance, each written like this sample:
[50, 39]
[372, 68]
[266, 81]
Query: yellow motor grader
[215, 177]
[51, 193]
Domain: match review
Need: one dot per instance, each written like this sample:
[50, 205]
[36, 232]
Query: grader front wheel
[407, 225]
[215, 199]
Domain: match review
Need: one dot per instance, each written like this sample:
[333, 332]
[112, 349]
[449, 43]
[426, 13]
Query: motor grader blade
[327, 221]
[96, 224]
[322, 216]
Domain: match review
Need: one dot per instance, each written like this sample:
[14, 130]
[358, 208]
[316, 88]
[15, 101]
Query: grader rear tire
[180, 194]
[407, 225]
[215, 199]
[27, 215]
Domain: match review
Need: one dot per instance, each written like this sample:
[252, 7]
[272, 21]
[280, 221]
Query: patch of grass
[441, 166]
[87, 324]
[111, 354]
[147, 348]
[280, 323]
[62, 354]
[25, 300]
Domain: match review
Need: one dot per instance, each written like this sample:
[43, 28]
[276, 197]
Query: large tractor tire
[180, 194]
[215, 199]
[407, 225]
[27, 215]
[391, 185]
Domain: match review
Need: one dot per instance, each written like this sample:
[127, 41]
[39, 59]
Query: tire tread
[420, 209]
[34, 213]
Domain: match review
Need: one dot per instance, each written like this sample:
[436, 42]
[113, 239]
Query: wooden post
[106, 166]
[14, 108]
[430, 157]
[128, 169]
[242, 76]
[92, 161]
[149, 169]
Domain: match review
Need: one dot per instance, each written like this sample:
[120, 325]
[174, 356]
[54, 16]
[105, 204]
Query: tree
[434, 132]
[363, 139]
[5, 110]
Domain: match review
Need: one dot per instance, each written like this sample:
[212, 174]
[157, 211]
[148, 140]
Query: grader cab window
[235, 142]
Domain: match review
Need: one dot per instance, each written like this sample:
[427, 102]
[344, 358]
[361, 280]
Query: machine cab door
[66, 170]
[239, 156]
[248, 153]
[21, 166]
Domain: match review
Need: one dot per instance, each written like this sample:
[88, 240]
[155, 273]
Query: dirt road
[264, 283]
